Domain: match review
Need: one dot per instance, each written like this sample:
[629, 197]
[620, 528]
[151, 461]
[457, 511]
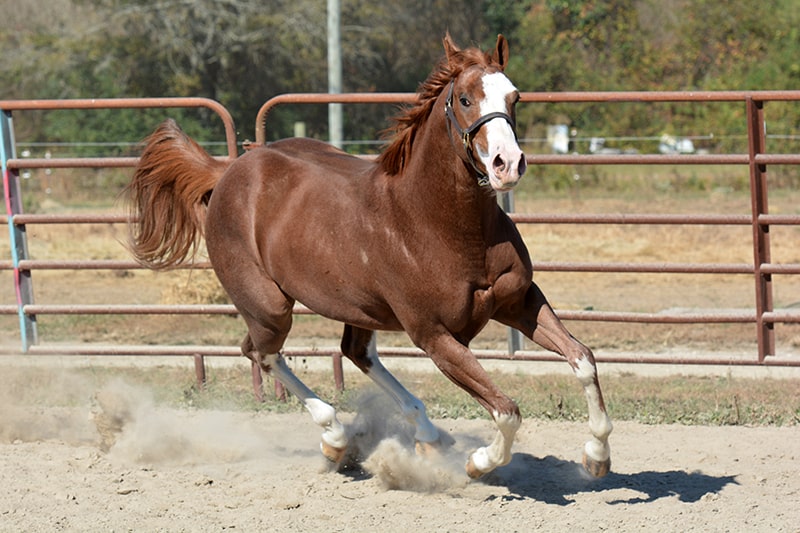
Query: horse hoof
[472, 470]
[596, 468]
[333, 454]
[427, 449]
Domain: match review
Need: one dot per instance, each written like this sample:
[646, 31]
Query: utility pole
[335, 70]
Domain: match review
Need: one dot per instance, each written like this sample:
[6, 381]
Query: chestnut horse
[413, 241]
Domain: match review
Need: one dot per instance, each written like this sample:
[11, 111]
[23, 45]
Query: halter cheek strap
[466, 134]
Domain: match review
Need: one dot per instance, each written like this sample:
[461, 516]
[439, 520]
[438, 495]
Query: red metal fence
[762, 314]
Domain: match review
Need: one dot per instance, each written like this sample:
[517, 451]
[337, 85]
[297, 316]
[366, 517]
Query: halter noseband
[466, 133]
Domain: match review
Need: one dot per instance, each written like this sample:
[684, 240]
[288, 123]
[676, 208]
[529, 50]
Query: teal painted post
[12, 194]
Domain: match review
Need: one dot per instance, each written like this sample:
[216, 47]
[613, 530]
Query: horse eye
[464, 101]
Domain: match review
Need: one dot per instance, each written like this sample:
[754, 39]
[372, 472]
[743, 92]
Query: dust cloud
[386, 443]
[124, 422]
[133, 428]
[255, 471]
[27, 413]
[398, 468]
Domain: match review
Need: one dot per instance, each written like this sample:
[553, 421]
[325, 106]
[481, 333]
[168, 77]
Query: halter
[467, 133]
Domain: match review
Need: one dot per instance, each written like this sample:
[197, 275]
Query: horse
[413, 240]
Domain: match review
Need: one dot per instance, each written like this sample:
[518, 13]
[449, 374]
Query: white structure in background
[597, 146]
[675, 145]
[558, 138]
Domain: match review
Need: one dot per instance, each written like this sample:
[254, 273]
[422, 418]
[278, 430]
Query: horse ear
[450, 48]
[501, 52]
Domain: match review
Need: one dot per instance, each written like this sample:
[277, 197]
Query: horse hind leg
[334, 439]
[358, 345]
[267, 311]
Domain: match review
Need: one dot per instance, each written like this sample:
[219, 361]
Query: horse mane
[406, 124]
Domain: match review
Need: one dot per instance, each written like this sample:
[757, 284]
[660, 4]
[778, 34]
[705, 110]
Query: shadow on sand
[553, 480]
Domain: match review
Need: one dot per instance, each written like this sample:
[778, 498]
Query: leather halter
[466, 134]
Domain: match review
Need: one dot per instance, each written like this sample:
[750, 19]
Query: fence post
[200, 371]
[338, 371]
[258, 381]
[515, 338]
[23, 283]
[761, 248]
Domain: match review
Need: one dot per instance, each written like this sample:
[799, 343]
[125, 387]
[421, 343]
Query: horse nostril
[523, 165]
[499, 163]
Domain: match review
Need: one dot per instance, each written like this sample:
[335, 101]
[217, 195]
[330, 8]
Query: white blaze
[500, 137]
[495, 88]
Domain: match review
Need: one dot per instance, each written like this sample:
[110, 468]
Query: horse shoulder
[508, 263]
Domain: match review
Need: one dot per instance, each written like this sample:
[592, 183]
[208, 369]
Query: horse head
[479, 105]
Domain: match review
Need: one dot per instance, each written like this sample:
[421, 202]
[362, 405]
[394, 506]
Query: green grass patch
[715, 401]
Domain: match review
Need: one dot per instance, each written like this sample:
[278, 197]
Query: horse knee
[581, 359]
[249, 350]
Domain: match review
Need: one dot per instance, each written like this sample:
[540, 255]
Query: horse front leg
[539, 322]
[461, 366]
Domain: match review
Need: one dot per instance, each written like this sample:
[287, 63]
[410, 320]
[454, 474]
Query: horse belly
[317, 261]
[338, 294]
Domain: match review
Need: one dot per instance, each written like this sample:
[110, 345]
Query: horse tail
[167, 197]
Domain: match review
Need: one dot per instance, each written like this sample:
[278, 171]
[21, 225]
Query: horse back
[317, 158]
[276, 177]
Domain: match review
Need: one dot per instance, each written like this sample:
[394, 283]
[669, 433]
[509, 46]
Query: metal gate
[762, 315]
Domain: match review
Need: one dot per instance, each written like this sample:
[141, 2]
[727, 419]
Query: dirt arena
[201, 470]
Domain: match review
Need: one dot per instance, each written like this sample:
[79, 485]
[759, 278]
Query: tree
[243, 52]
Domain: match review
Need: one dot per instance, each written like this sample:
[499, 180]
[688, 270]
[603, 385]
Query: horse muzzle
[506, 169]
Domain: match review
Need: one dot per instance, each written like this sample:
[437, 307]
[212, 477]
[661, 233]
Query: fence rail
[761, 314]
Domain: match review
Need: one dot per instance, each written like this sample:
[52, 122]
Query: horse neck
[441, 184]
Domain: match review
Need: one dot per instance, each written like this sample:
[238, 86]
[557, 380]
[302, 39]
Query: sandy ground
[200, 470]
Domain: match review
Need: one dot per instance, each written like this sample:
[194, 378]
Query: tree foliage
[242, 52]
